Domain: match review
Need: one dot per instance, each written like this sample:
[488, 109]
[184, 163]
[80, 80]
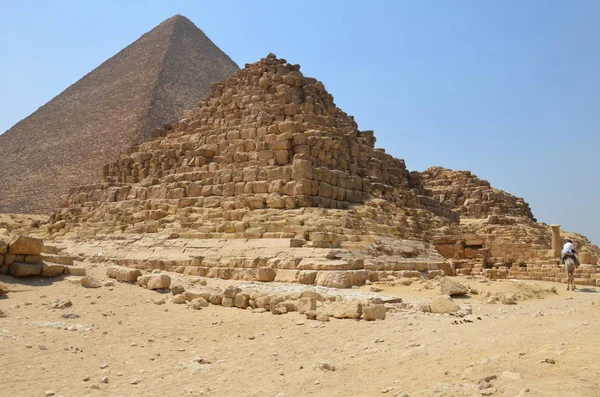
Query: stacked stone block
[470, 196]
[267, 138]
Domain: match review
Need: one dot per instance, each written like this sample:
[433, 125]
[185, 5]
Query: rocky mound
[470, 196]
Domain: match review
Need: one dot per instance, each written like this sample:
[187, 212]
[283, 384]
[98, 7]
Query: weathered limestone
[158, 281]
[123, 274]
[24, 245]
[443, 304]
[470, 196]
[556, 241]
[18, 269]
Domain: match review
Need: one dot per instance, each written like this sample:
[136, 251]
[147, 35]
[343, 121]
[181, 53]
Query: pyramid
[260, 181]
[266, 138]
[65, 142]
[268, 180]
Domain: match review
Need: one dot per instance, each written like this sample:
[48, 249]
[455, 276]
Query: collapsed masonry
[498, 235]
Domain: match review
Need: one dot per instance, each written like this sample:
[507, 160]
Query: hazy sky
[507, 89]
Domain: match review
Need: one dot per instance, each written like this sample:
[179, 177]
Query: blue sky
[509, 90]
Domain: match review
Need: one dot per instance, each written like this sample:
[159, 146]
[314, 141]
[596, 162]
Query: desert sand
[122, 343]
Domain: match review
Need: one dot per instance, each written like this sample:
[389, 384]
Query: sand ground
[172, 350]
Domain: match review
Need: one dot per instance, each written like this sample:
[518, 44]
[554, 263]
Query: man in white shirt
[568, 251]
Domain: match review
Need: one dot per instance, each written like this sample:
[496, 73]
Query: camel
[570, 268]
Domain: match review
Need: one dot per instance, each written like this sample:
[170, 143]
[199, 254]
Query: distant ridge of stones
[66, 141]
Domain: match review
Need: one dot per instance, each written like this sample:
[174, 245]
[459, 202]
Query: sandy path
[251, 354]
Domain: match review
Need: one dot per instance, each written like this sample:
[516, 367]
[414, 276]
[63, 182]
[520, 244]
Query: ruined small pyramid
[65, 142]
[268, 180]
[267, 138]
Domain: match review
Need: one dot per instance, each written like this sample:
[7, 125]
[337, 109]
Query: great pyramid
[66, 141]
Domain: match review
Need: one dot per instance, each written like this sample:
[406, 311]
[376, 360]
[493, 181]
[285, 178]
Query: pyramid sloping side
[66, 141]
[192, 62]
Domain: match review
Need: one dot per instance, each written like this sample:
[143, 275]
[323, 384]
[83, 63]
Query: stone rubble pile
[315, 305]
[22, 256]
[470, 196]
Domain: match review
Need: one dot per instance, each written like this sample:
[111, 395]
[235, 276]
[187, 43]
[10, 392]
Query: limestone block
[374, 312]
[19, 269]
[32, 259]
[344, 309]
[55, 258]
[302, 169]
[127, 275]
[24, 245]
[443, 304]
[76, 270]
[159, 281]
[287, 276]
[241, 301]
[52, 269]
[451, 287]
[333, 279]
[306, 304]
[216, 299]
[266, 274]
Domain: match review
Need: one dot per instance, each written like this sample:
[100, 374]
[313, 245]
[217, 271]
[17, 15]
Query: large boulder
[123, 274]
[452, 288]
[24, 245]
[19, 269]
[374, 312]
[159, 281]
[443, 304]
[344, 309]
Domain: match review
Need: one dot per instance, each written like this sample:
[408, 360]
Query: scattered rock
[443, 304]
[178, 299]
[198, 303]
[177, 289]
[61, 303]
[507, 375]
[508, 299]
[550, 361]
[374, 312]
[89, 282]
[324, 366]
